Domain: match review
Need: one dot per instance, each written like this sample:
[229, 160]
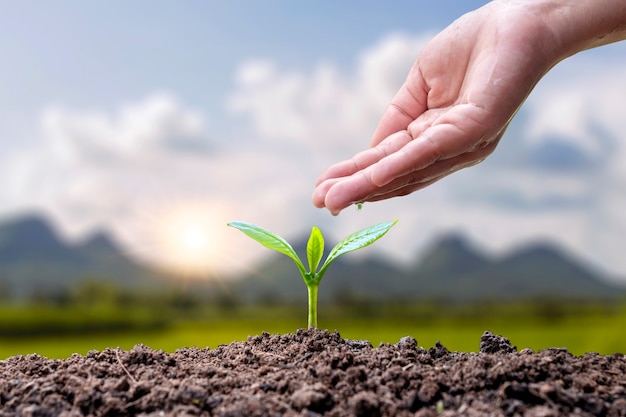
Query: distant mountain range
[35, 260]
[450, 270]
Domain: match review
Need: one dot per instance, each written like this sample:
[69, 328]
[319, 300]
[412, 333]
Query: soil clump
[316, 373]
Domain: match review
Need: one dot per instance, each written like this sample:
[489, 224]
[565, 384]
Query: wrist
[571, 26]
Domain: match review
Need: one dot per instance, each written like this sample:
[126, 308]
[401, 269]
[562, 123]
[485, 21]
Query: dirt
[316, 373]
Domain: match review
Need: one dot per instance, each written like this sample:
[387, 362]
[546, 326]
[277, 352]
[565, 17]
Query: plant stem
[312, 290]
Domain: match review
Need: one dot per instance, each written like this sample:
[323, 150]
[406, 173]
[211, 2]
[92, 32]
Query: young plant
[314, 252]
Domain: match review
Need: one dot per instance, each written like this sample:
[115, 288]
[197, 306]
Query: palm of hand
[450, 113]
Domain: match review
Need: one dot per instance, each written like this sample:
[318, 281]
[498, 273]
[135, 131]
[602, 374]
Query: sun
[192, 239]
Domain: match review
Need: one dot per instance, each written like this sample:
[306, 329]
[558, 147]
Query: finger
[403, 191]
[320, 191]
[408, 103]
[367, 157]
[338, 170]
[347, 191]
[339, 193]
[357, 189]
[417, 180]
[420, 179]
[455, 133]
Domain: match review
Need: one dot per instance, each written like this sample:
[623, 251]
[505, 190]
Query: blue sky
[161, 121]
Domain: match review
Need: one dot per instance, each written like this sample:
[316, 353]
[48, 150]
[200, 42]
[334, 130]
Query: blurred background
[131, 133]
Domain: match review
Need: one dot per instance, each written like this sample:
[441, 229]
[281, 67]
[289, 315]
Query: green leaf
[269, 240]
[357, 240]
[315, 249]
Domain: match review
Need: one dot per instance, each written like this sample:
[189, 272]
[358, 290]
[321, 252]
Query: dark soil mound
[313, 373]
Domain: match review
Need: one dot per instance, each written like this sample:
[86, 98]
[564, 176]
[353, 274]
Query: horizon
[298, 243]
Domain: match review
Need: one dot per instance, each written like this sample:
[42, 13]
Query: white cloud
[90, 167]
[541, 184]
[581, 103]
[157, 123]
[570, 193]
[327, 110]
[124, 168]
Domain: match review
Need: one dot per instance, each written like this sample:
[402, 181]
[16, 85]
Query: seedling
[314, 252]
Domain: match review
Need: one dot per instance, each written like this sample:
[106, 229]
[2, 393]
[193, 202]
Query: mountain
[32, 239]
[277, 278]
[450, 269]
[35, 260]
[451, 255]
[544, 268]
[453, 270]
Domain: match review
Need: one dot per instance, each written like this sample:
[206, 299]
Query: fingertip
[320, 193]
[319, 201]
[380, 175]
[317, 198]
[316, 203]
[334, 212]
[335, 200]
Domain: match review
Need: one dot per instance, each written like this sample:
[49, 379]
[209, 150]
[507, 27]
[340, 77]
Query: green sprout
[314, 252]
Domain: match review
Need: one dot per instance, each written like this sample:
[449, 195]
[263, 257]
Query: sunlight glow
[192, 240]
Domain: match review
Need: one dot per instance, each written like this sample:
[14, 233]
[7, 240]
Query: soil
[316, 373]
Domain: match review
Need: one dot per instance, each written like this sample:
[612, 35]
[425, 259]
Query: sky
[161, 121]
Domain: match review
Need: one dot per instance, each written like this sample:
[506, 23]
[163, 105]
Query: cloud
[563, 160]
[327, 110]
[559, 154]
[125, 169]
[542, 182]
[558, 174]
[89, 166]
[158, 123]
[122, 168]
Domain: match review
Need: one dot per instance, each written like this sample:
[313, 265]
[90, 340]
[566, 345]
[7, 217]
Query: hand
[453, 108]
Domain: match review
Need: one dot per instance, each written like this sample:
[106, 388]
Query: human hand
[453, 108]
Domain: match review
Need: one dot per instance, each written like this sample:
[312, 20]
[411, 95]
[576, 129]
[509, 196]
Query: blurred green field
[578, 327]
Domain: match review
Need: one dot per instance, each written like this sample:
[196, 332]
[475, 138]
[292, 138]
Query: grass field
[593, 329]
